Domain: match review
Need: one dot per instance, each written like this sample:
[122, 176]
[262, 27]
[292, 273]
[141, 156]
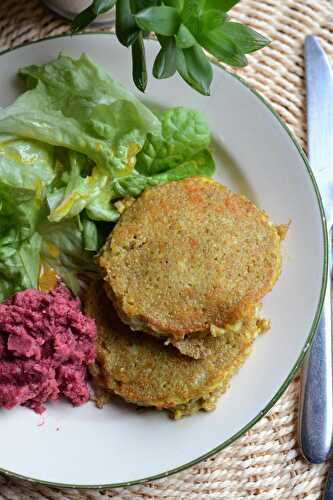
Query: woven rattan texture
[265, 463]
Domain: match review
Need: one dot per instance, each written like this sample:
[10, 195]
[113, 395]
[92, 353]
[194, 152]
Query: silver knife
[316, 399]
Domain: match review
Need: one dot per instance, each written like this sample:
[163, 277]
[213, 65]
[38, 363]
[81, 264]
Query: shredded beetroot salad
[46, 344]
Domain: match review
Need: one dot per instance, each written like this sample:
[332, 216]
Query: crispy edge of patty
[195, 346]
[156, 375]
[207, 403]
[140, 318]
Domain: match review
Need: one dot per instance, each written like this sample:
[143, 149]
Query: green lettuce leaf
[94, 233]
[90, 235]
[77, 190]
[132, 185]
[19, 261]
[25, 164]
[19, 208]
[76, 105]
[80, 78]
[184, 133]
[63, 249]
[102, 208]
[36, 115]
[26, 168]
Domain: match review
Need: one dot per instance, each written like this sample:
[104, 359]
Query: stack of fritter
[187, 264]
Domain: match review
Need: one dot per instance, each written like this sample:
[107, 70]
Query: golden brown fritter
[188, 255]
[143, 371]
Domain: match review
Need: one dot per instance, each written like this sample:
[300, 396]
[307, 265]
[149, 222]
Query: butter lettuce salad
[71, 146]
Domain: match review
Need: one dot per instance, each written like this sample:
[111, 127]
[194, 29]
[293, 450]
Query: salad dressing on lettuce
[47, 280]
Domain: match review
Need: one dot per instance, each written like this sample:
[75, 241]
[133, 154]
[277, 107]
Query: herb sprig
[185, 30]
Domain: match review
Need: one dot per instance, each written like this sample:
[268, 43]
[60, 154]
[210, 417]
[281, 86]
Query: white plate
[256, 155]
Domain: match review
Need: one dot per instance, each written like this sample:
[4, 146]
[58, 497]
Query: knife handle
[316, 397]
[328, 488]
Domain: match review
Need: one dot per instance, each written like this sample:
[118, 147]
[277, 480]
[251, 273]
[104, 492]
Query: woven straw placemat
[265, 463]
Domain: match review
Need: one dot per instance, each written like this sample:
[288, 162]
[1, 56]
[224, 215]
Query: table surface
[265, 463]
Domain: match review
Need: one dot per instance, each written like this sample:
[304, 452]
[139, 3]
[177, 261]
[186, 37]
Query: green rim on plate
[307, 344]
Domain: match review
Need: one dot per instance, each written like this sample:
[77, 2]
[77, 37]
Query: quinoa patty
[188, 255]
[143, 371]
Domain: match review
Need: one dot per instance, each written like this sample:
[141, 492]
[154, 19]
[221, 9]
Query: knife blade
[316, 397]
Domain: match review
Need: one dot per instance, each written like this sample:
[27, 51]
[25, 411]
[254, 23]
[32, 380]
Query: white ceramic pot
[70, 8]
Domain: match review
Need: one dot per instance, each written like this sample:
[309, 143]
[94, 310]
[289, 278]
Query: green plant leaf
[161, 20]
[126, 27]
[246, 39]
[191, 15]
[203, 15]
[184, 38]
[195, 68]
[90, 13]
[177, 4]
[212, 20]
[138, 5]
[224, 5]
[139, 69]
[223, 48]
[165, 64]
